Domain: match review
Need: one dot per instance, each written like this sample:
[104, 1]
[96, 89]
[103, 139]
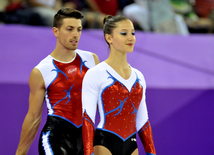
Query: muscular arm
[33, 118]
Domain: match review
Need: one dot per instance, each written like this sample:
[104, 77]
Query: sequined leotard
[122, 109]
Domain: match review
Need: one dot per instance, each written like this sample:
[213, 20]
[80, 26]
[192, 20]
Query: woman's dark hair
[66, 13]
[109, 23]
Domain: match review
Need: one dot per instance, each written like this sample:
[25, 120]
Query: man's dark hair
[66, 13]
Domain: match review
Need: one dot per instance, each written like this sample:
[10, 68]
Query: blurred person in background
[157, 16]
[198, 14]
[138, 13]
[33, 12]
[192, 16]
[96, 10]
[46, 9]
[17, 12]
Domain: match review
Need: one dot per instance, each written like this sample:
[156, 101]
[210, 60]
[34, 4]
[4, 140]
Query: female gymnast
[119, 90]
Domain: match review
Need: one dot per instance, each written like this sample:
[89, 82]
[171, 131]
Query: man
[58, 79]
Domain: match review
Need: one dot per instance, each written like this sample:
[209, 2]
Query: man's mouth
[74, 42]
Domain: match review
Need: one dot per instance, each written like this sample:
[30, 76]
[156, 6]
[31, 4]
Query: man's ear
[55, 31]
[108, 38]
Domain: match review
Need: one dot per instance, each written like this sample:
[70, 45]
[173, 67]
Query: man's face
[69, 33]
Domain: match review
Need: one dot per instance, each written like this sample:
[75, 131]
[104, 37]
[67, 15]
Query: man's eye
[123, 33]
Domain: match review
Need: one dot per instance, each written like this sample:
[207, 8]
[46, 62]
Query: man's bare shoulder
[36, 78]
[96, 59]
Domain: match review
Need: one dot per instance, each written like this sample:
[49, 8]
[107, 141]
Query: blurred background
[174, 50]
[160, 16]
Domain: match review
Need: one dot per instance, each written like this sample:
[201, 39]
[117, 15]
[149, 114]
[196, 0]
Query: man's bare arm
[96, 59]
[33, 118]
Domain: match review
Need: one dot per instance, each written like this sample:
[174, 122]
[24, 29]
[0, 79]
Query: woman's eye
[133, 33]
[123, 33]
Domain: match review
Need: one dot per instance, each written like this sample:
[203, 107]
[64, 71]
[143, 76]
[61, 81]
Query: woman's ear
[108, 38]
[55, 31]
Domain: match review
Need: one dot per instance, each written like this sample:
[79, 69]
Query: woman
[119, 90]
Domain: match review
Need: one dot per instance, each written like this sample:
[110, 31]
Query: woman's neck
[117, 59]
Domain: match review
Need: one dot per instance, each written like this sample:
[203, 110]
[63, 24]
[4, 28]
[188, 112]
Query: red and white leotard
[121, 103]
[63, 83]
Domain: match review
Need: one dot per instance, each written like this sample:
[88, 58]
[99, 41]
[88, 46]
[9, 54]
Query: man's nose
[76, 34]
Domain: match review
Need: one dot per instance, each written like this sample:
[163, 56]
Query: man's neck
[65, 56]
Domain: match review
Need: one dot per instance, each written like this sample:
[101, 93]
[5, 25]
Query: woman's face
[123, 37]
